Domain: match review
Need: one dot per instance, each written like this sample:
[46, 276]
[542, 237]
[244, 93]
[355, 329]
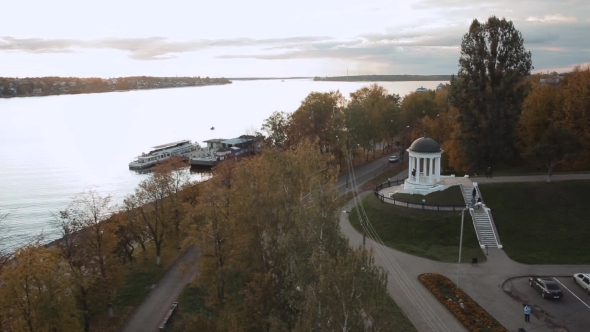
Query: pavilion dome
[425, 144]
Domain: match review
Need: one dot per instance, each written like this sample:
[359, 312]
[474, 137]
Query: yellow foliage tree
[35, 294]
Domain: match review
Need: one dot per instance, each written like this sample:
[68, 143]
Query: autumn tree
[488, 91]
[319, 116]
[35, 293]
[543, 135]
[379, 111]
[217, 232]
[277, 128]
[576, 108]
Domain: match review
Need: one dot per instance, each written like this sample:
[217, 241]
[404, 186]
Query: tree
[35, 293]
[576, 108]
[488, 91]
[543, 137]
[220, 234]
[378, 108]
[150, 205]
[92, 240]
[277, 128]
[319, 116]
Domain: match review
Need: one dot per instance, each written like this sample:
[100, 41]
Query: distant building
[37, 91]
[72, 83]
[215, 143]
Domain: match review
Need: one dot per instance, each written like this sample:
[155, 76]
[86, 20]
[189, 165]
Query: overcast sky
[236, 38]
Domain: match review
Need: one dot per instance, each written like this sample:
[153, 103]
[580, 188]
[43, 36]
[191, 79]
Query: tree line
[392, 78]
[43, 86]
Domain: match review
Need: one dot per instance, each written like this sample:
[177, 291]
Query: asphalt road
[369, 171]
[150, 313]
[571, 313]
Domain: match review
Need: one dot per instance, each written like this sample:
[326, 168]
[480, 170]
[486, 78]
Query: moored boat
[163, 152]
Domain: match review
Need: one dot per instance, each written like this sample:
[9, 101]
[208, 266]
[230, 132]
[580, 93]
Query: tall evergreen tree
[488, 91]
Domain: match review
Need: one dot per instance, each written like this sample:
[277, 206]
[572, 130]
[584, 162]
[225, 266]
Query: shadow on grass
[541, 223]
[429, 234]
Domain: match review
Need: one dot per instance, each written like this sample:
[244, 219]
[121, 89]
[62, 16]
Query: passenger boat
[421, 89]
[163, 152]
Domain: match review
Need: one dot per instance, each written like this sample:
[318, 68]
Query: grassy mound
[429, 234]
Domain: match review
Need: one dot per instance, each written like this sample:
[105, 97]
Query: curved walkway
[483, 282]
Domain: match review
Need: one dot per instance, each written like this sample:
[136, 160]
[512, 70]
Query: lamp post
[460, 245]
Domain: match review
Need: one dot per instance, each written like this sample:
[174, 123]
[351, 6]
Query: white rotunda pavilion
[424, 167]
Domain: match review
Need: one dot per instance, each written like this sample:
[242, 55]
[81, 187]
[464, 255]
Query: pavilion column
[430, 170]
[438, 169]
[419, 162]
[410, 162]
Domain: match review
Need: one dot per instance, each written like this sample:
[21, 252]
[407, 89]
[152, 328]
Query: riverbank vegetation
[94, 276]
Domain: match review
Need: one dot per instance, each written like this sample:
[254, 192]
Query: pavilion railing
[423, 206]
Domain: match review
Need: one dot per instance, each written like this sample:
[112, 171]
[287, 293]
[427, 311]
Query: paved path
[369, 171]
[150, 313]
[531, 178]
[483, 282]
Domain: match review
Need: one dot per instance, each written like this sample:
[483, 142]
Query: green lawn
[449, 196]
[542, 223]
[428, 234]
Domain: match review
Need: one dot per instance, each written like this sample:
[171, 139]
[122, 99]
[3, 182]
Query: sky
[263, 38]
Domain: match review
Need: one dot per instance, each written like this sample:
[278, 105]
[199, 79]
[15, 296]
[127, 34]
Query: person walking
[490, 172]
[474, 192]
[527, 313]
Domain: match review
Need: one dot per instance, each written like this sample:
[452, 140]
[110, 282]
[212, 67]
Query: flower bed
[467, 311]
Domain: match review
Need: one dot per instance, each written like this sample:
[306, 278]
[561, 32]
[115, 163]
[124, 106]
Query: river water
[52, 148]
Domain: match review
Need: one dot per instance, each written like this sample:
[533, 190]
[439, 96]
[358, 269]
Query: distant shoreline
[357, 78]
[384, 78]
[57, 86]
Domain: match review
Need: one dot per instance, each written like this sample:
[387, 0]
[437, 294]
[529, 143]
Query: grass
[136, 286]
[429, 234]
[541, 223]
[449, 196]
[401, 321]
[190, 303]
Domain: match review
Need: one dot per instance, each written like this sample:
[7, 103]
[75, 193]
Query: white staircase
[481, 220]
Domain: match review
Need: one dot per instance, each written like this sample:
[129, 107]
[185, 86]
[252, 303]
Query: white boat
[163, 152]
[421, 89]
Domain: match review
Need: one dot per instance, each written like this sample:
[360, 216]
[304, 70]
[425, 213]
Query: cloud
[557, 18]
[151, 48]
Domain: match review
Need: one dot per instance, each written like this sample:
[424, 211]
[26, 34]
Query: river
[52, 148]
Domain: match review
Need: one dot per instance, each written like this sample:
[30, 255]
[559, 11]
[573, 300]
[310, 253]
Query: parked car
[583, 279]
[548, 288]
[393, 159]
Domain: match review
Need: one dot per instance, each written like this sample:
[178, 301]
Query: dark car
[548, 288]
